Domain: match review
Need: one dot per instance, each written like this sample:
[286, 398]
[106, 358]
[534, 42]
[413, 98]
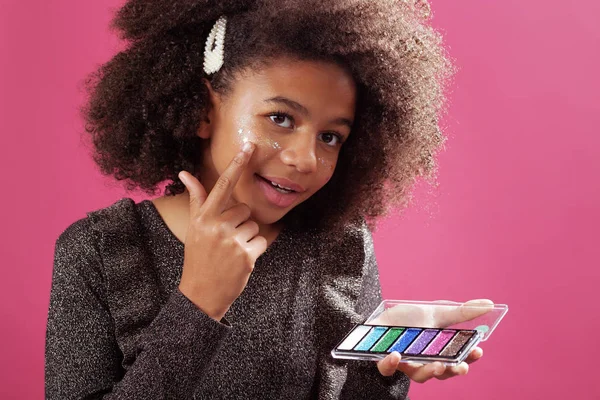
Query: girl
[283, 130]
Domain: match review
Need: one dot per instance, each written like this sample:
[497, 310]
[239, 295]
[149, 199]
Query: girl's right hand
[221, 246]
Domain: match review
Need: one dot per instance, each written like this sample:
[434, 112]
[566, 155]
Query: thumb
[195, 189]
[388, 366]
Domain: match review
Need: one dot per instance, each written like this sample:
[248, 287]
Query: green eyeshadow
[389, 338]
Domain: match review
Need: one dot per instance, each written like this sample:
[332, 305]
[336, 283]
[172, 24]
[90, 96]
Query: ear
[206, 127]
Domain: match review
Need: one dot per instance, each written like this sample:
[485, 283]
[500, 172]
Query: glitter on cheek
[327, 164]
[327, 171]
[268, 142]
[247, 132]
[247, 136]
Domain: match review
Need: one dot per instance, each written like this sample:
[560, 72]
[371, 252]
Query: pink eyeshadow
[439, 342]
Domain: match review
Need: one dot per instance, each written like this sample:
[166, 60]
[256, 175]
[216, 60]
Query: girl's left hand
[431, 316]
[421, 373]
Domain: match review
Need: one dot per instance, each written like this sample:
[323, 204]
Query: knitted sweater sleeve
[82, 356]
[350, 292]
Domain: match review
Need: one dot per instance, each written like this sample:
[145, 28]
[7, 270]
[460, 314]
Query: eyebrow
[303, 110]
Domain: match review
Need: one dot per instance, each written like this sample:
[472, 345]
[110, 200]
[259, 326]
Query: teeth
[281, 187]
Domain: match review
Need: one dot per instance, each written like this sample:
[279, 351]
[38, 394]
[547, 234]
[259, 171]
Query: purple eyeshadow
[422, 341]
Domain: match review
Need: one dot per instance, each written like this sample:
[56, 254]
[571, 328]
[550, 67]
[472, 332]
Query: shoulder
[83, 235]
[355, 238]
[86, 249]
[347, 252]
[113, 215]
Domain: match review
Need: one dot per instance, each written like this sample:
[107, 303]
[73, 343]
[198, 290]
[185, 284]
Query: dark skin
[303, 148]
[295, 116]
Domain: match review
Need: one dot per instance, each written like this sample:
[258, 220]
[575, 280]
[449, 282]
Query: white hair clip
[214, 51]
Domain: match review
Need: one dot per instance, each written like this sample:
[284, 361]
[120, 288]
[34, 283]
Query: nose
[299, 152]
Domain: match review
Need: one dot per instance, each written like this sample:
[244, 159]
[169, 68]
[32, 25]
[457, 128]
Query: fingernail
[182, 178]
[247, 147]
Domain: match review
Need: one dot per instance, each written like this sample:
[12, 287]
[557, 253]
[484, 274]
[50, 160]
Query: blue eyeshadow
[405, 340]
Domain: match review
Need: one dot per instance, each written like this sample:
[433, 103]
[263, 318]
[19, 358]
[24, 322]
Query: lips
[273, 196]
[285, 183]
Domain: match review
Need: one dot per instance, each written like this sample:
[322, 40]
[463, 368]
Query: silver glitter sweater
[119, 328]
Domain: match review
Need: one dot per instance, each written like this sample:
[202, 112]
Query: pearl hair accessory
[213, 51]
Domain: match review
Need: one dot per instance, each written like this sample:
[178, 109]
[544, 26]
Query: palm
[430, 316]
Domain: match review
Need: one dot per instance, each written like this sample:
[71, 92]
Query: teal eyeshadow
[369, 340]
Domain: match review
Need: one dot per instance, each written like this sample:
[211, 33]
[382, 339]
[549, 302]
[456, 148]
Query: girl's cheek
[266, 145]
[246, 135]
[261, 141]
[326, 168]
[245, 130]
[274, 145]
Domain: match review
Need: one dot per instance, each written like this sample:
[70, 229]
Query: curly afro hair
[146, 104]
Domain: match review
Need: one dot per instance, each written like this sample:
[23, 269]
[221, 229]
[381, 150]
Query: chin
[264, 217]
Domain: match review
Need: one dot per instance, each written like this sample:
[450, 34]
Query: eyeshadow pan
[422, 341]
[456, 344]
[439, 342]
[354, 337]
[404, 340]
[387, 340]
[371, 338]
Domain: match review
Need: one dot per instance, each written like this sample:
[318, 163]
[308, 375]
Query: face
[298, 113]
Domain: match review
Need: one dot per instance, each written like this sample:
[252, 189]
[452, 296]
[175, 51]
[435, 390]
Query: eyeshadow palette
[423, 345]
[422, 331]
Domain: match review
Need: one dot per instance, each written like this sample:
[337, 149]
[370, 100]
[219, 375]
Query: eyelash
[285, 114]
[282, 114]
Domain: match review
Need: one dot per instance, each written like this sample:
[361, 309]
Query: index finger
[465, 312]
[221, 192]
[432, 315]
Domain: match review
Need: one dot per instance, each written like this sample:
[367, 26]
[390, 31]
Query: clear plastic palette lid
[481, 315]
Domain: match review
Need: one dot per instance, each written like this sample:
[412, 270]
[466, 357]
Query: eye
[331, 139]
[280, 117]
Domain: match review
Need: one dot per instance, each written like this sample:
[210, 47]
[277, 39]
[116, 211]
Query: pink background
[515, 217]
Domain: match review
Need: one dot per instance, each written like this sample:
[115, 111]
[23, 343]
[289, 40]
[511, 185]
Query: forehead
[318, 85]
